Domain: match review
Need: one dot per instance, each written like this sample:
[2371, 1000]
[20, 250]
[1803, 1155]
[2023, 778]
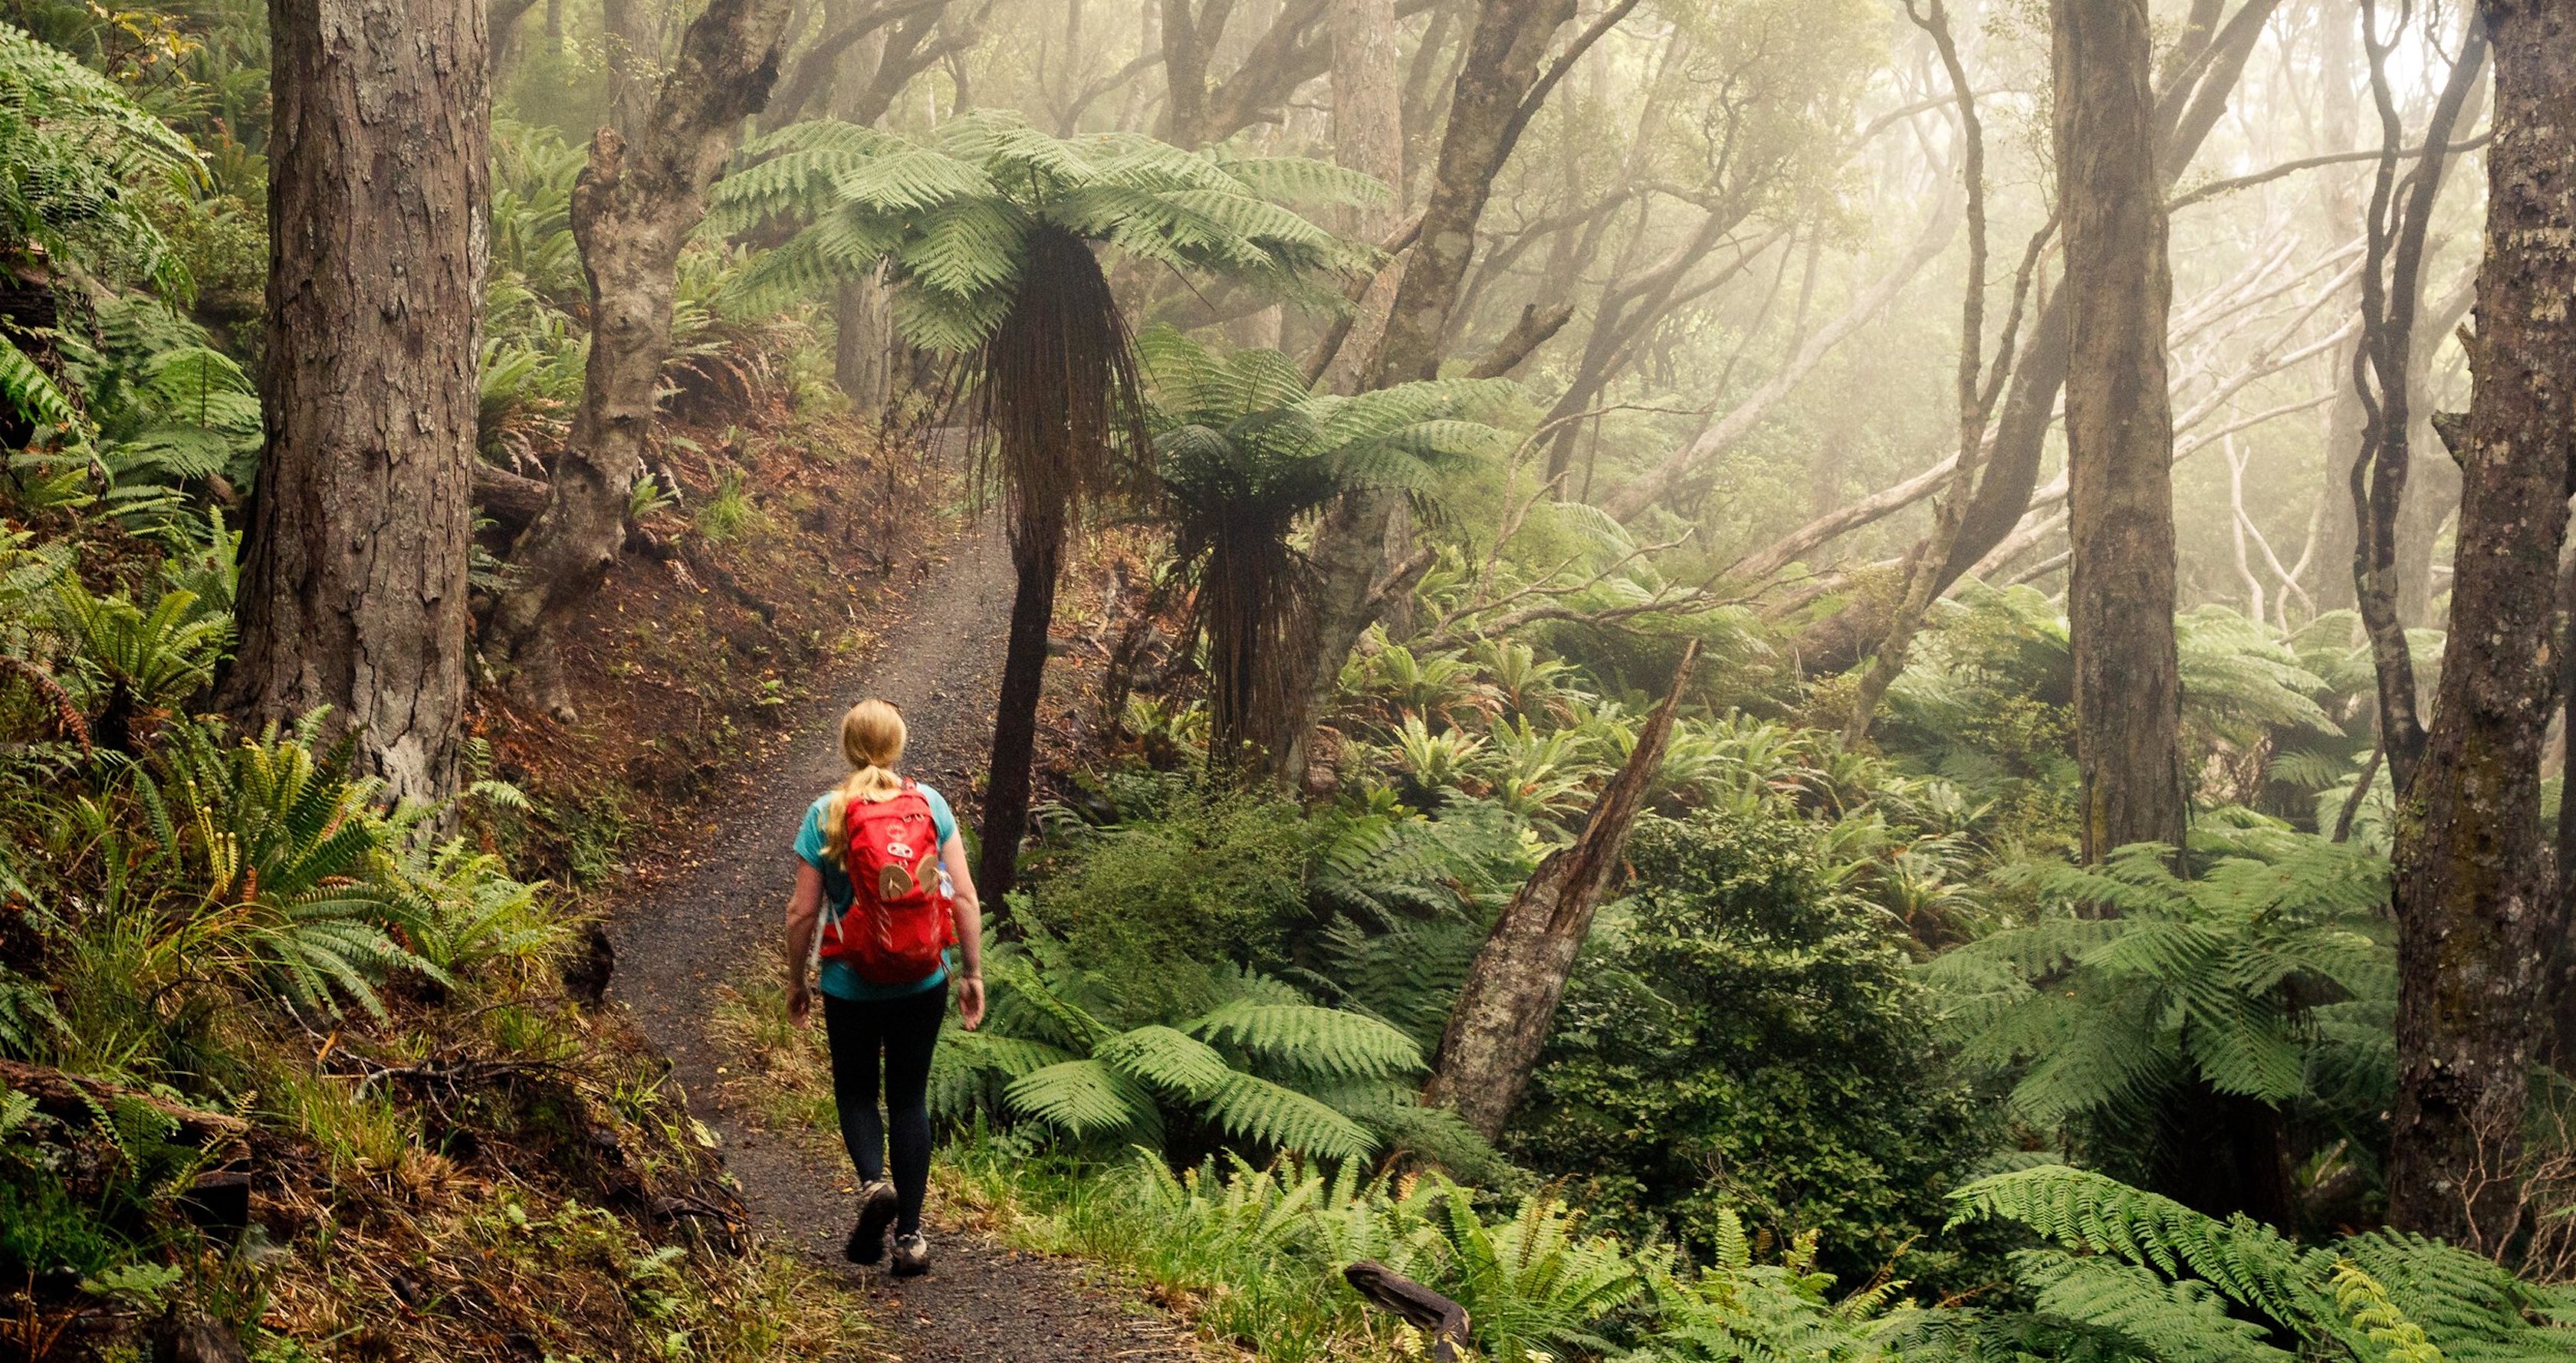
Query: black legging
[906, 1029]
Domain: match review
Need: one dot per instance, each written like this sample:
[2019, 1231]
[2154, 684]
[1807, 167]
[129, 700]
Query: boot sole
[867, 1244]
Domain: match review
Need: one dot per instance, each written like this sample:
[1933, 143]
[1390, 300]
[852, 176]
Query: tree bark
[632, 211]
[1508, 1002]
[2384, 376]
[2477, 920]
[1485, 118]
[1532, 330]
[1368, 136]
[2562, 979]
[353, 593]
[2119, 428]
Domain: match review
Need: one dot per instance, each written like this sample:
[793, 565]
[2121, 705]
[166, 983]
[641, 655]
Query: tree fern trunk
[1036, 552]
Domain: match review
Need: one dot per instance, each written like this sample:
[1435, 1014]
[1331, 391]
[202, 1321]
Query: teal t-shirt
[838, 979]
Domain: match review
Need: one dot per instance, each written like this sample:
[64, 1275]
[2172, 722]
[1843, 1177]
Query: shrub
[1743, 1035]
[1194, 876]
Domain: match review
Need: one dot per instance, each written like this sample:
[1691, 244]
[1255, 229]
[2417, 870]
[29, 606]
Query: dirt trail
[682, 932]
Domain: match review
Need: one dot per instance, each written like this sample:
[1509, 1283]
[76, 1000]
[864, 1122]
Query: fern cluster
[75, 153]
[2155, 1280]
[2268, 975]
[1259, 1064]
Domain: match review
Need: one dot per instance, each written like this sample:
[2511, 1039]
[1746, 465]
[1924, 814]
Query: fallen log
[1442, 1321]
[510, 500]
[78, 1098]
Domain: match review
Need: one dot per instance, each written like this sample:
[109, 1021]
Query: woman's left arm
[970, 931]
[804, 911]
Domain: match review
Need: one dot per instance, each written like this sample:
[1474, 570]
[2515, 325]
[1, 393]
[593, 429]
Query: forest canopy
[1712, 679]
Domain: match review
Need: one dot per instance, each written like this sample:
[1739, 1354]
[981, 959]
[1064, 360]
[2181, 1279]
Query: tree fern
[1247, 454]
[2219, 977]
[952, 211]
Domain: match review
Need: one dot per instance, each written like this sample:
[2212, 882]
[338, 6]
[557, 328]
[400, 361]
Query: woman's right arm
[804, 911]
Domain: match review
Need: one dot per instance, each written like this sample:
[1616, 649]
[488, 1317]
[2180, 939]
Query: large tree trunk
[1485, 119]
[353, 595]
[2119, 428]
[632, 210]
[2477, 920]
[2200, 75]
[1508, 1002]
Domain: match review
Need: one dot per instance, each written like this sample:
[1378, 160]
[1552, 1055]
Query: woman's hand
[970, 1001]
[800, 1003]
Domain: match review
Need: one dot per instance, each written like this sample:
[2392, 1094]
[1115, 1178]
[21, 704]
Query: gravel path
[683, 929]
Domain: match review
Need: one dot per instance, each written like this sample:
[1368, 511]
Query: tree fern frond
[1302, 180]
[1319, 1040]
[1167, 1059]
[2178, 1322]
[1259, 1110]
[1084, 1097]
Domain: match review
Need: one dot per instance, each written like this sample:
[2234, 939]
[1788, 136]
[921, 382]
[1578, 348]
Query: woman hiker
[881, 870]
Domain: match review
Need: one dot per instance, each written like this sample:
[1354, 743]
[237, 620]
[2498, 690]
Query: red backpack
[898, 921]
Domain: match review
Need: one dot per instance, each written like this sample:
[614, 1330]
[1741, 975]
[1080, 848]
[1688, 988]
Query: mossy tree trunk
[353, 591]
[2478, 919]
[1360, 547]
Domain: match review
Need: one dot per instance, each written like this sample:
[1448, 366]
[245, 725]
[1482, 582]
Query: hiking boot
[911, 1256]
[876, 1212]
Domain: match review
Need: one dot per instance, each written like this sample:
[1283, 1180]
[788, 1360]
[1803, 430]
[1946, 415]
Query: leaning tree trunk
[2477, 919]
[1359, 552]
[353, 594]
[2119, 429]
[1504, 1010]
[632, 210]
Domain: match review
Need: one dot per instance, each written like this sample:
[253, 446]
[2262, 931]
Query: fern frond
[1327, 1041]
[1259, 1110]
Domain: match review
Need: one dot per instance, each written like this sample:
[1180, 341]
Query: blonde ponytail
[872, 735]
